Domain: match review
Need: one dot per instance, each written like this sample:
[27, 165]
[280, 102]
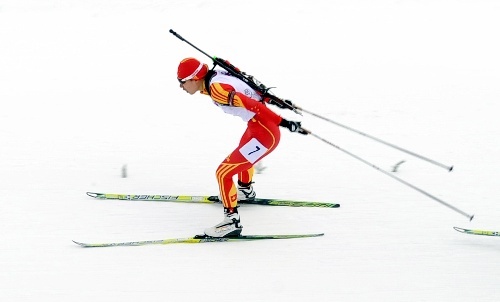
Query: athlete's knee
[223, 172]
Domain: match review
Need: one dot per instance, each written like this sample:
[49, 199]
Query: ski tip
[79, 243]
[315, 235]
[92, 194]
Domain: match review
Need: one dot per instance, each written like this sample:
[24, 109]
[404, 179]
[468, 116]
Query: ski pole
[449, 168]
[470, 217]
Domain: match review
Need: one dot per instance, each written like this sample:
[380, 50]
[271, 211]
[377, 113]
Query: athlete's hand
[293, 126]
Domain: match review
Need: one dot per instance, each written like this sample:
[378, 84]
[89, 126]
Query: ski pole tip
[450, 169]
[472, 217]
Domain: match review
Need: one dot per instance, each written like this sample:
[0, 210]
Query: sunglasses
[182, 82]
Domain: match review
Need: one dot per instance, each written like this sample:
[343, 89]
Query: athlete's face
[189, 86]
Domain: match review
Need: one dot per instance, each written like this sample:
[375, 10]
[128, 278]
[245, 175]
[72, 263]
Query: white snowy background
[87, 87]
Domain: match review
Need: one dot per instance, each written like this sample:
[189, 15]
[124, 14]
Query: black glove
[283, 104]
[293, 126]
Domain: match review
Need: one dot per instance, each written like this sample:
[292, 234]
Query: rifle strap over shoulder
[209, 77]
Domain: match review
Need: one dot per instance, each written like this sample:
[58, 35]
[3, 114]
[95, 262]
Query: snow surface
[87, 87]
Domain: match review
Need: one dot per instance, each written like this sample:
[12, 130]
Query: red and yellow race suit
[260, 138]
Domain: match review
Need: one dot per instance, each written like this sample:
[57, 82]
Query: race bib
[253, 150]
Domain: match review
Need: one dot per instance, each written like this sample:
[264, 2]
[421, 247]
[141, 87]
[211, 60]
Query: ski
[213, 199]
[199, 239]
[477, 232]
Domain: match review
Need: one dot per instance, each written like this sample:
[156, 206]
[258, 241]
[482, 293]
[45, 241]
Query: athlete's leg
[257, 142]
